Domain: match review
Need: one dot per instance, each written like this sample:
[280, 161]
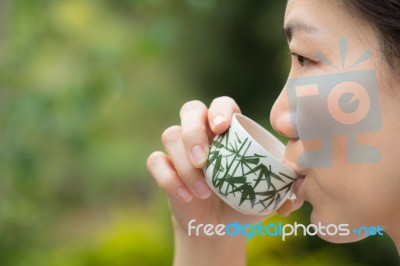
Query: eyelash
[302, 60]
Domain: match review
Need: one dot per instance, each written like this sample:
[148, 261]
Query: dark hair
[384, 16]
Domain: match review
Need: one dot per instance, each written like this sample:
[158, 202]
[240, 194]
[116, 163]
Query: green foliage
[87, 87]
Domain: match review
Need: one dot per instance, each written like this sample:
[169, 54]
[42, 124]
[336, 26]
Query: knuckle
[186, 172]
[191, 106]
[188, 177]
[171, 134]
[165, 182]
[193, 131]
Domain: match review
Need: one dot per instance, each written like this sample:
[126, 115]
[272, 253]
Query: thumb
[290, 206]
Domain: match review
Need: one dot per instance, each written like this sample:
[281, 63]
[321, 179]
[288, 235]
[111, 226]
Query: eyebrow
[297, 26]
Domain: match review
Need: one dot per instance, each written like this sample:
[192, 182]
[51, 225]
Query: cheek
[349, 103]
[357, 195]
[331, 189]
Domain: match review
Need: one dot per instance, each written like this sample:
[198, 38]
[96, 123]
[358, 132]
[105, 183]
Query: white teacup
[245, 168]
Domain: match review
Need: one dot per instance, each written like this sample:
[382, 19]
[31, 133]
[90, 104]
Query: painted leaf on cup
[287, 176]
[218, 144]
[212, 157]
[244, 175]
[247, 193]
[250, 160]
[277, 200]
[271, 200]
[218, 166]
[236, 179]
[264, 173]
[267, 193]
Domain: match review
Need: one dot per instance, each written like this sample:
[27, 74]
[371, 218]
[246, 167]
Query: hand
[179, 171]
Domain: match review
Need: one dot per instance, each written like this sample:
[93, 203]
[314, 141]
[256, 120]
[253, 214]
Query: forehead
[308, 14]
[297, 26]
[327, 19]
[315, 7]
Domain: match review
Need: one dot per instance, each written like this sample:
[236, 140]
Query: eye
[303, 61]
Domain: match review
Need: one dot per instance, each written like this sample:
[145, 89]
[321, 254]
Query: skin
[358, 194]
[355, 194]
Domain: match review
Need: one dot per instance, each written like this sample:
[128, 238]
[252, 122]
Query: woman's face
[358, 194]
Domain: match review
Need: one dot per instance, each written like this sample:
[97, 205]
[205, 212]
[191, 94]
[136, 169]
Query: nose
[281, 118]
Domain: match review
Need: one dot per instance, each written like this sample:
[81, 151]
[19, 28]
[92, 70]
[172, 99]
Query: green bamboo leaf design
[271, 194]
[226, 137]
[291, 178]
[231, 175]
[233, 164]
[266, 193]
[271, 200]
[247, 193]
[218, 144]
[263, 172]
[238, 139]
[211, 158]
[268, 177]
[277, 200]
[219, 183]
[218, 167]
[236, 179]
[250, 160]
[243, 197]
[241, 188]
[231, 149]
[255, 169]
[276, 176]
[286, 187]
[252, 196]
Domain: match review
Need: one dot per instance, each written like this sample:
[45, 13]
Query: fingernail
[184, 194]
[218, 119]
[199, 155]
[202, 189]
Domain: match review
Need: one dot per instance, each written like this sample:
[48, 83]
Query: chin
[343, 230]
[341, 239]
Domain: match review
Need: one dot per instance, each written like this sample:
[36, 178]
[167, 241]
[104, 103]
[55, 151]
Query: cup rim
[271, 144]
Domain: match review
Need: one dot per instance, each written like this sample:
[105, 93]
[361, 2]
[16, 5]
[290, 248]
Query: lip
[299, 179]
[290, 162]
[297, 183]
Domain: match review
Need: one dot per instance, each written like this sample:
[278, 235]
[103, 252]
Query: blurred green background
[86, 89]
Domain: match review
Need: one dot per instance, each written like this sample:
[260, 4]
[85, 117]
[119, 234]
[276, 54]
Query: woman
[353, 193]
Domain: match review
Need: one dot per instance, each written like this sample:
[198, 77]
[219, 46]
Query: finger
[298, 203]
[194, 132]
[191, 176]
[290, 206]
[166, 177]
[220, 113]
[286, 208]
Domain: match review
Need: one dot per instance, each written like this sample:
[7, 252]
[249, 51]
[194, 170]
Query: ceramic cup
[245, 168]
